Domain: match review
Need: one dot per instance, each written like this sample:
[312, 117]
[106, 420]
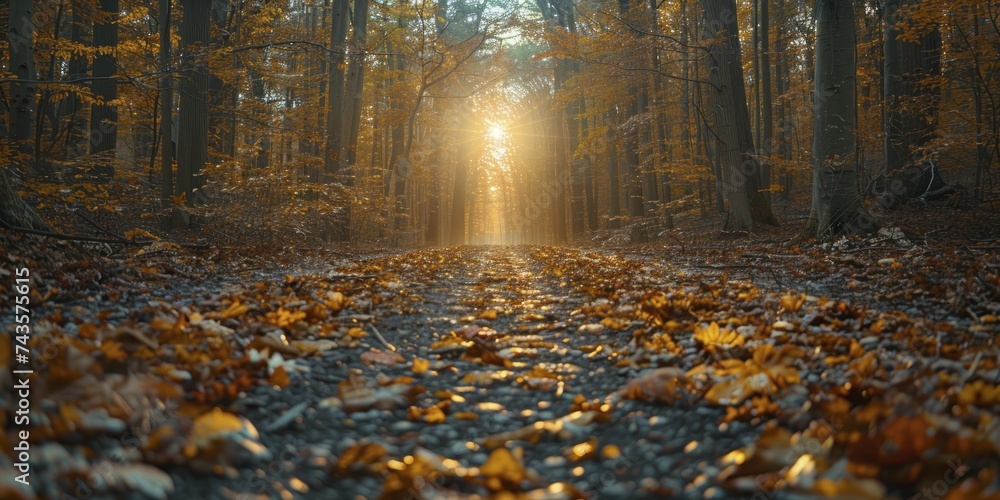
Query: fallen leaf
[377, 356]
[420, 366]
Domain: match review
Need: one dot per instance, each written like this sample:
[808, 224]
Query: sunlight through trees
[451, 121]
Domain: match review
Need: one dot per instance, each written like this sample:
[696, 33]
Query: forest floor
[702, 367]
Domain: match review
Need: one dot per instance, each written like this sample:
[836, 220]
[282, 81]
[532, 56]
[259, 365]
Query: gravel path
[642, 450]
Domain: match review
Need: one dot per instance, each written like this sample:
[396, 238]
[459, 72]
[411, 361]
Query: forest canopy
[432, 123]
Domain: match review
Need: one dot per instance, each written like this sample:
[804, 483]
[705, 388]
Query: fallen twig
[380, 338]
[99, 227]
[89, 239]
[771, 256]
[972, 369]
[287, 418]
[351, 276]
[883, 248]
[935, 231]
[727, 266]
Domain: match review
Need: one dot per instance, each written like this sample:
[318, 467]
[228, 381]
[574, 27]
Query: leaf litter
[537, 372]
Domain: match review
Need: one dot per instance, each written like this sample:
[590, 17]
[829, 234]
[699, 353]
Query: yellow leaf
[420, 365]
[210, 426]
[792, 302]
[235, 309]
[502, 468]
[712, 335]
[434, 415]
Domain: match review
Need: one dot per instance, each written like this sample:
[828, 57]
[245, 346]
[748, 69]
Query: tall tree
[354, 94]
[560, 28]
[340, 20]
[460, 193]
[747, 204]
[630, 141]
[614, 202]
[13, 211]
[336, 120]
[104, 113]
[908, 61]
[192, 140]
[220, 89]
[767, 118]
[836, 203]
[76, 128]
[166, 112]
[23, 88]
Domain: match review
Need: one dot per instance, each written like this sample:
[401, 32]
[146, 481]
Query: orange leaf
[279, 377]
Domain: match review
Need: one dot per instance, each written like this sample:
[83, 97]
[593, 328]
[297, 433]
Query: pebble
[458, 449]
[868, 341]
[362, 416]
[666, 464]
[401, 426]
[704, 410]
[616, 490]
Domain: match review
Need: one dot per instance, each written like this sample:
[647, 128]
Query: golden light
[496, 132]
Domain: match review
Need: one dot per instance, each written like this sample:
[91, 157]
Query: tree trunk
[588, 178]
[219, 90]
[335, 88]
[166, 114]
[665, 149]
[459, 196]
[614, 205]
[354, 104]
[767, 118]
[648, 165]
[23, 88]
[975, 74]
[356, 84]
[192, 140]
[908, 127]
[747, 204]
[104, 116]
[784, 108]
[836, 205]
[630, 143]
[576, 175]
[13, 210]
[76, 133]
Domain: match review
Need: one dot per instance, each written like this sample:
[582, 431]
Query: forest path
[548, 372]
[501, 330]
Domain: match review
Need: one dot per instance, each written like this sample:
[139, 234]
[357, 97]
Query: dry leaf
[377, 356]
[420, 366]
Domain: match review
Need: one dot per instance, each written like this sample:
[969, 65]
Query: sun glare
[496, 132]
